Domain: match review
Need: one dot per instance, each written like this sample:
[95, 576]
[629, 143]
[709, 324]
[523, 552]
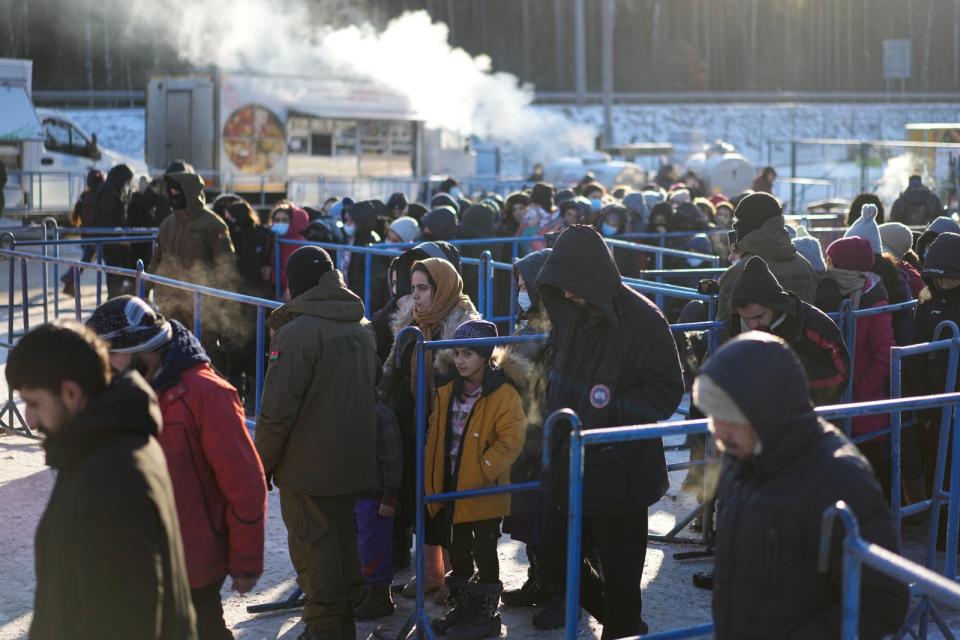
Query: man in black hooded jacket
[760, 303]
[783, 468]
[615, 363]
[109, 557]
[110, 210]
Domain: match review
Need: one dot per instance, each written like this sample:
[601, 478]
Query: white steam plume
[411, 56]
[896, 175]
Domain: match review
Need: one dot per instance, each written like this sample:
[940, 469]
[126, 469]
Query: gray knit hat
[896, 238]
[866, 227]
[809, 247]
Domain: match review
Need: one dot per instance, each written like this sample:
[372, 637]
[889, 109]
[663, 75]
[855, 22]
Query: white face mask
[523, 300]
[456, 193]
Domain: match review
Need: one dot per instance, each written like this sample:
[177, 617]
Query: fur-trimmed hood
[516, 368]
[403, 318]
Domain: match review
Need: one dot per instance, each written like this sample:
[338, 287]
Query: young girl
[476, 431]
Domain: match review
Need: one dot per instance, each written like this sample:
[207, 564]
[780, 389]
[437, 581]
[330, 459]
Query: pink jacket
[299, 221]
[871, 374]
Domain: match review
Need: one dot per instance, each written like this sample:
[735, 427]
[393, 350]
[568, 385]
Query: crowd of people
[145, 422]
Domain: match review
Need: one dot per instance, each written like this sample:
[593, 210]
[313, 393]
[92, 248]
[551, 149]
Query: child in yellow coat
[476, 432]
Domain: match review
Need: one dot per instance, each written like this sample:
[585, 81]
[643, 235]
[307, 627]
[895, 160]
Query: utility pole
[580, 49]
[606, 20]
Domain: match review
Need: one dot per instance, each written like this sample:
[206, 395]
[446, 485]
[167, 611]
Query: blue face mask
[280, 228]
[523, 300]
[596, 204]
[608, 230]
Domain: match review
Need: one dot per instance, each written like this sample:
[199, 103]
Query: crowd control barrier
[857, 551]
[580, 439]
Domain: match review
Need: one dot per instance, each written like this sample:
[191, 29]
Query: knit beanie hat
[679, 196]
[472, 329]
[866, 227]
[943, 224]
[130, 325]
[852, 254]
[397, 201]
[809, 247]
[305, 267]
[943, 257]
[444, 199]
[753, 210]
[896, 238]
[406, 227]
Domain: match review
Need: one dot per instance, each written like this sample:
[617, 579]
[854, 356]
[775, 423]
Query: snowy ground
[670, 600]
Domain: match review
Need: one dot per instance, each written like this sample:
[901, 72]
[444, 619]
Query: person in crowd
[375, 511]
[942, 224]
[527, 508]
[661, 217]
[679, 194]
[761, 304]
[359, 225]
[706, 208]
[440, 224]
[614, 363]
[142, 214]
[164, 208]
[396, 205]
[897, 241]
[638, 212]
[83, 215]
[327, 204]
[475, 433]
[541, 212]
[764, 181]
[894, 281]
[917, 205]
[571, 214]
[193, 244]
[111, 514]
[480, 221]
[596, 194]
[513, 214]
[809, 247]
[437, 306]
[849, 264]
[536, 175]
[760, 231]
[287, 222]
[856, 208]
[939, 302]
[110, 210]
[217, 477]
[612, 222]
[253, 244]
[403, 230]
[723, 215]
[782, 468]
[444, 199]
[317, 436]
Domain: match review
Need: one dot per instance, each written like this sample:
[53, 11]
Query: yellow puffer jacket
[492, 440]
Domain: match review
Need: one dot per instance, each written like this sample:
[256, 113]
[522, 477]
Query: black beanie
[753, 211]
[305, 267]
[756, 284]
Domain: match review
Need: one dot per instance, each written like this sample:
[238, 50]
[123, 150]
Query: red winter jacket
[217, 476]
[871, 373]
[914, 279]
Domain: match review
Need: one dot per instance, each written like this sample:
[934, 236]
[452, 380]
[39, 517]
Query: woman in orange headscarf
[437, 305]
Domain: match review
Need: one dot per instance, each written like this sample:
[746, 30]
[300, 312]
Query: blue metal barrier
[857, 551]
[580, 439]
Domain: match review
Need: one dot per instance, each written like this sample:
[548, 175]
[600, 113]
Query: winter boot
[377, 603]
[533, 593]
[552, 615]
[460, 610]
[434, 566]
[483, 621]
[67, 280]
[703, 580]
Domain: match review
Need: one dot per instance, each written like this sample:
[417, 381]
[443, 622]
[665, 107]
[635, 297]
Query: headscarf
[448, 295]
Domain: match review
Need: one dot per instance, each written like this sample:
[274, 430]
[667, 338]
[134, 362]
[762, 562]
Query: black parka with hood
[766, 583]
[615, 363]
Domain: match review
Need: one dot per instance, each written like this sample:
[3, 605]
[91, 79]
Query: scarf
[446, 298]
[849, 283]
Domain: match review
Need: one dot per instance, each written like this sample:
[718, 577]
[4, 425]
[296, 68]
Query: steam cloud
[411, 56]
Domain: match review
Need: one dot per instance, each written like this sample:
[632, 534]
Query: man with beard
[109, 561]
[217, 477]
[760, 303]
